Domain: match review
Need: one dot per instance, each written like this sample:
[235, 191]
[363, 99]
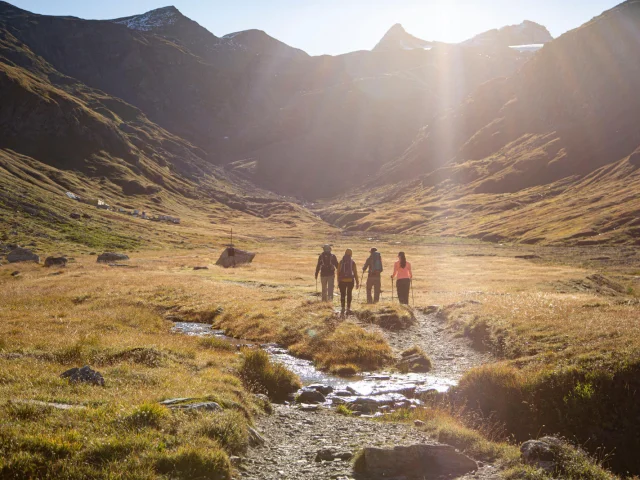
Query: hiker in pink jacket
[402, 272]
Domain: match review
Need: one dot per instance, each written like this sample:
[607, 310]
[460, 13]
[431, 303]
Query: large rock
[417, 461]
[55, 262]
[309, 395]
[319, 387]
[84, 375]
[541, 453]
[232, 257]
[199, 406]
[109, 257]
[22, 255]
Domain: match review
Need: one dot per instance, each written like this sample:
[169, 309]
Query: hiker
[374, 265]
[327, 264]
[347, 277]
[402, 272]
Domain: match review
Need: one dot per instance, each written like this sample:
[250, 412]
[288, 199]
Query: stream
[368, 393]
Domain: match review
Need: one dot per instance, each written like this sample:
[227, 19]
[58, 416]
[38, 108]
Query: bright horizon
[335, 27]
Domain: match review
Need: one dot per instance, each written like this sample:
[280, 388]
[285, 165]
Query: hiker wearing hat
[374, 265]
[327, 265]
[402, 272]
[347, 277]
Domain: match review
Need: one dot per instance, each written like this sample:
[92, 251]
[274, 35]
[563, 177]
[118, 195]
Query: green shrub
[261, 375]
[344, 410]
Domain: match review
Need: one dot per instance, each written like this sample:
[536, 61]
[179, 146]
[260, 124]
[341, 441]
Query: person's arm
[395, 270]
[318, 265]
[355, 272]
[334, 261]
[367, 264]
[409, 268]
[338, 270]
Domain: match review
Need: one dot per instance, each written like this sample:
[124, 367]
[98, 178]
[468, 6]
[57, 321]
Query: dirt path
[452, 355]
[294, 437]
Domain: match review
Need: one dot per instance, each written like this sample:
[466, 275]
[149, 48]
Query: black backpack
[326, 266]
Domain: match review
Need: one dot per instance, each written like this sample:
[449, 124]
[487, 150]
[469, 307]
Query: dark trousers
[403, 285]
[346, 291]
[373, 283]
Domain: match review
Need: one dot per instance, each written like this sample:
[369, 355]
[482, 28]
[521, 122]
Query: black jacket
[327, 264]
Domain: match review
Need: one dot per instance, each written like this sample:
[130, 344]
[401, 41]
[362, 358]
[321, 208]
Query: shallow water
[386, 384]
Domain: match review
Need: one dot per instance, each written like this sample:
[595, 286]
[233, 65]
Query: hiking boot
[342, 313]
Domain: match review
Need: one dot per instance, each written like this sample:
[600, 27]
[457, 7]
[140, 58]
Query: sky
[340, 26]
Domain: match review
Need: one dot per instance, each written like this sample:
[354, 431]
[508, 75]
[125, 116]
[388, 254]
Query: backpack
[326, 266]
[376, 263]
[346, 267]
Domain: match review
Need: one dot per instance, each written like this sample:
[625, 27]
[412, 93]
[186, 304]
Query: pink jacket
[401, 273]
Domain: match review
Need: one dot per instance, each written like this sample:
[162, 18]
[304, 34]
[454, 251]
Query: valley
[506, 166]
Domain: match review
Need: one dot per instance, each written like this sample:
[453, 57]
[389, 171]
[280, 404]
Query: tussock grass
[414, 359]
[388, 316]
[261, 375]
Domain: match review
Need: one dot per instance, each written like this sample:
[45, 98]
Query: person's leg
[330, 283]
[325, 284]
[343, 293]
[403, 290]
[377, 286]
[349, 295]
[370, 284]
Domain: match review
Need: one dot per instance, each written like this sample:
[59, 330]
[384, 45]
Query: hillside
[271, 113]
[546, 155]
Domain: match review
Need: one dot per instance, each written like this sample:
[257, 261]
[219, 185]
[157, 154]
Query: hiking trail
[295, 436]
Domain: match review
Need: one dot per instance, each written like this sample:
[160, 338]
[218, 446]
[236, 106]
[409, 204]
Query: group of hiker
[346, 271]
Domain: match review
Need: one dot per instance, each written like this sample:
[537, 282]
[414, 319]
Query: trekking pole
[391, 289]
[413, 300]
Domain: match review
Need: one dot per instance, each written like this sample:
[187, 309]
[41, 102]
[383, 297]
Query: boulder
[255, 438]
[22, 255]
[55, 262]
[75, 216]
[422, 461]
[232, 257]
[84, 375]
[541, 453]
[308, 395]
[329, 454]
[199, 406]
[323, 389]
[110, 257]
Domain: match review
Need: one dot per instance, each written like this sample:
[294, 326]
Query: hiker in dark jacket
[327, 265]
[374, 265]
[347, 277]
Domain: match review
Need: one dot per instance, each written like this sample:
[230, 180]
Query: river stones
[329, 454]
[55, 262]
[323, 389]
[109, 257]
[309, 395]
[84, 375]
[22, 255]
[415, 461]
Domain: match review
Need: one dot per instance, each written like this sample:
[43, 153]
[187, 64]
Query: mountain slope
[271, 113]
[526, 33]
[568, 114]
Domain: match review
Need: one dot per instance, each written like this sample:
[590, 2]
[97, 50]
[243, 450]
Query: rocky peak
[152, 20]
[525, 33]
[397, 38]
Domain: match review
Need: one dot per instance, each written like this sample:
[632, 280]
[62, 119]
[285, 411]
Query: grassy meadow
[565, 349]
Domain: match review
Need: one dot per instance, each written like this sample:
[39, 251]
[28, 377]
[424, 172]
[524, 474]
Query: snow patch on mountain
[527, 48]
[152, 20]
